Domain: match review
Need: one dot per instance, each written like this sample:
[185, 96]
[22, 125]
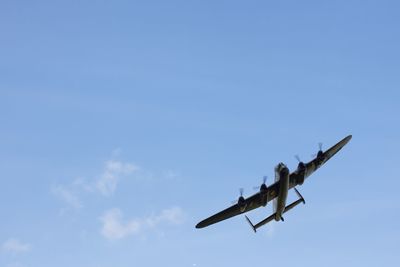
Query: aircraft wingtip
[199, 225]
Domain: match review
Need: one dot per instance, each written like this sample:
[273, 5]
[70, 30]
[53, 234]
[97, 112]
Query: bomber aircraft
[278, 191]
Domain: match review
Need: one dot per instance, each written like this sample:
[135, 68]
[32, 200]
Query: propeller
[301, 163]
[320, 150]
[241, 190]
[301, 167]
[264, 181]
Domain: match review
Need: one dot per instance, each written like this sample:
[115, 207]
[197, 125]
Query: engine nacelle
[242, 204]
[320, 158]
[301, 169]
[264, 194]
[263, 189]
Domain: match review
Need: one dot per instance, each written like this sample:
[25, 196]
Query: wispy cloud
[170, 174]
[111, 175]
[114, 227]
[15, 246]
[67, 195]
[105, 185]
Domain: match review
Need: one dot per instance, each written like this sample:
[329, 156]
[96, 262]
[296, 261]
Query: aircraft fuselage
[281, 175]
[278, 191]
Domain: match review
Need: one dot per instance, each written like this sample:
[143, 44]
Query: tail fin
[251, 224]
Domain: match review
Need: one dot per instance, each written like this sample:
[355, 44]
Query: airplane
[278, 191]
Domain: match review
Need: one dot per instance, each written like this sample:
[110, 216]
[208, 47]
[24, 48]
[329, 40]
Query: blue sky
[125, 123]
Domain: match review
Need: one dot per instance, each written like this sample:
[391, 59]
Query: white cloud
[106, 185]
[80, 184]
[13, 245]
[112, 173]
[173, 215]
[115, 228]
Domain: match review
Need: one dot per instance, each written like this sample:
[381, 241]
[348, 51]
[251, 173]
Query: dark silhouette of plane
[278, 191]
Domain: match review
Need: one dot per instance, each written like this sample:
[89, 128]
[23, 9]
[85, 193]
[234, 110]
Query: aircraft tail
[271, 217]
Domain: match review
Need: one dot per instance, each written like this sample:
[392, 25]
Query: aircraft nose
[284, 170]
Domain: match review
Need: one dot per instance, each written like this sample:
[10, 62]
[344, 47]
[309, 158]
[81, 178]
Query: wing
[316, 163]
[255, 201]
[250, 203]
